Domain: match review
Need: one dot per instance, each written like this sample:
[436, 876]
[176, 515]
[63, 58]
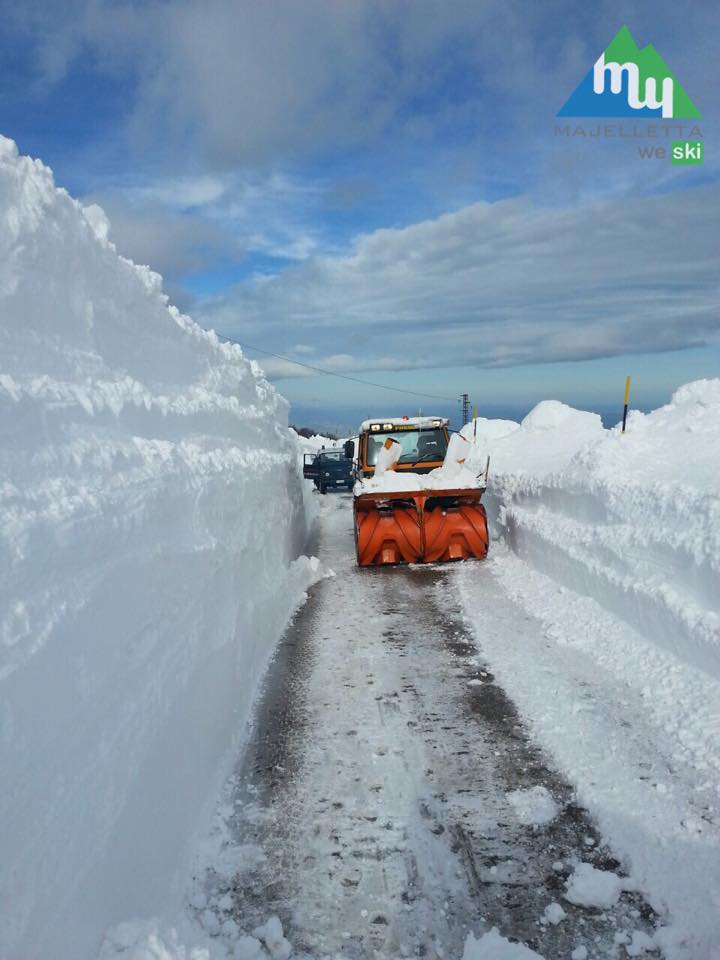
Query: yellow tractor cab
[423, 440]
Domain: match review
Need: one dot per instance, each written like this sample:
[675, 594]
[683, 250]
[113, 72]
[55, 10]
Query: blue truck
[329, 469]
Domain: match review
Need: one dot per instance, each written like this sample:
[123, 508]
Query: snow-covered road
[390, 800]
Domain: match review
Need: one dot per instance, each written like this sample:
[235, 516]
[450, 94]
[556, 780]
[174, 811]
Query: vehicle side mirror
[349, 449]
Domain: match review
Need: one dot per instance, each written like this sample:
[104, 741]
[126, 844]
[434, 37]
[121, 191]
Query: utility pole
[465, 409]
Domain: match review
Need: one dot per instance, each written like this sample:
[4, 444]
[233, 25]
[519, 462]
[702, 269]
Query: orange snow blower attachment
[420, 527]
[404, 520]
[455, 526]
[387, 529]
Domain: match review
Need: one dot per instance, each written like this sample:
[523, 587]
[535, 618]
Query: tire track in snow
[370, 809]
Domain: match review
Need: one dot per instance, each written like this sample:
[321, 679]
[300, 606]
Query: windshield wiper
[423, 458]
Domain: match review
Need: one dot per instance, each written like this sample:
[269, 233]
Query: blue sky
[376, 188]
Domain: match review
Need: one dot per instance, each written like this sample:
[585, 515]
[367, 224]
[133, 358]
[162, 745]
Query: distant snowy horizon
[344, 421]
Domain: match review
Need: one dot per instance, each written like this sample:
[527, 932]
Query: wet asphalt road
[370, 808]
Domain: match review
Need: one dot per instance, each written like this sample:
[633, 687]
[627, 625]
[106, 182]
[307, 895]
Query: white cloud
[222, 96]
[187, 224]
[502, 284]
[284, 368]
[248, 83]
[179, 193]
[215, 85]
[277, 369]
[170, 243]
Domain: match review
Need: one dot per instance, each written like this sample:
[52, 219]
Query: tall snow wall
[631, 520]
[150, 520]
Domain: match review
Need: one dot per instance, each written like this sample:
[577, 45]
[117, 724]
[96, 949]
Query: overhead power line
[341, 376]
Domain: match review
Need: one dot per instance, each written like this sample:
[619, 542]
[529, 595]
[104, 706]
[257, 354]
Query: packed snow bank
[150, 526]
[452, 475]
[400, 482]
[546, 440]
[388, 456]
[631, 519]
[315, 443]
[151, 940]
[481, 430]
[634, 729]
[612, 552]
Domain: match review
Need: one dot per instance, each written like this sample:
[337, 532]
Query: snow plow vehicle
[420, 509]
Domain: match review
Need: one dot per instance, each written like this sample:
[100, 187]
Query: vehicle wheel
[323, 488]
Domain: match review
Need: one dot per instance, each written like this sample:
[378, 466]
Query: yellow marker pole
[627, 401]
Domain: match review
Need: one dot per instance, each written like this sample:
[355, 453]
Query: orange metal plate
[456, 533]
[387, 536]
[420, 527]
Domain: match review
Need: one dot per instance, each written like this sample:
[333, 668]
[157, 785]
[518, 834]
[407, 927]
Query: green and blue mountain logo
[626, 81]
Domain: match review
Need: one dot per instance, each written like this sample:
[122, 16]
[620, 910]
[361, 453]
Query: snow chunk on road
[588, 887]
[641, 943]
[248, 948]
[145, 940]
[554, 913]
[271, 933]
[493, 946]
[533, 806]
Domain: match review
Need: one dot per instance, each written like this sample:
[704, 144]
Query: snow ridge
[631, 520]
[612, 553]
[151, 520]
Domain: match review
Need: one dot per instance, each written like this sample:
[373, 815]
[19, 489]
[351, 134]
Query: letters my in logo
[616, 70]
[626, 81]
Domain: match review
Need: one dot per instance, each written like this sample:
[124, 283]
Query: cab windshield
[418, 446]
